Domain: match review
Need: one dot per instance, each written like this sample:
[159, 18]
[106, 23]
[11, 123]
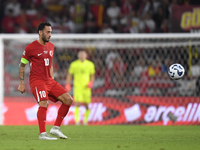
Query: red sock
[41, 116]
[62, 112]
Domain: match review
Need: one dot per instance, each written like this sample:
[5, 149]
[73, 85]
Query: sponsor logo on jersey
[39, 54]
[45, 52]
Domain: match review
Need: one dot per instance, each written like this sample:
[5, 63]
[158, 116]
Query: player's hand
[22, 88]
[68, 87]
[90, 84]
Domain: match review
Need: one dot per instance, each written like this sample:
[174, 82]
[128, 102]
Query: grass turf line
[103, 138]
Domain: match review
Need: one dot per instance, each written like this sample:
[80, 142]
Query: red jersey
[40, 60]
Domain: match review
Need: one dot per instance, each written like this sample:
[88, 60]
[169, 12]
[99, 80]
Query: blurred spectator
[99, 65]
[135, 20]
[19, 29]
[21, 20]
[155, 5]
[55, 7]
[195, 69]
[125, 10]
[165, 4]
[165, 65]
[110, 57]
[90, 24]
[66, 10]
[106, 29]
[113, 13]
[140, 66]
[82, 16]
[164, 27]
[68, 25]
[36, 20]
[135, 5]
[164, 68]
[8, 22]
[131, 27]
[126, 7]
[14, 5]
[119, 70]
[31, 11]
[99, 11]
[145, 7]
[154, 69]
[55, 24]
[159, 18]
[148, 24]
[173, 2]
[77, 13]
[50, 16]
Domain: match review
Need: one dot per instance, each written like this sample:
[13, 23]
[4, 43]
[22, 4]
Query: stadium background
[132, 85]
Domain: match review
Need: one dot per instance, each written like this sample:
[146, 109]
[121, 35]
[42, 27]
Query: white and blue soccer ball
[176, 71]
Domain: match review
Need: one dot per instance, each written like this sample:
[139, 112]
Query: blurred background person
[90, 24]
[113, 13]
[77, 12]
[83, 73]
[8, 23]
[14, 5]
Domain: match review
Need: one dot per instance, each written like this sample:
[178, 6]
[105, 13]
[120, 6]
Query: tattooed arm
[51, 71]
[22, 87]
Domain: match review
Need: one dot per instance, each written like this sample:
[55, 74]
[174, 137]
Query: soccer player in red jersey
[39, 54]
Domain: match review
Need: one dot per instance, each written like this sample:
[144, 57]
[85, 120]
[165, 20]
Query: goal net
[131, 85]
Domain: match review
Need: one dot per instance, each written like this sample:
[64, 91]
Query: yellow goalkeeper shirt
[81, 72]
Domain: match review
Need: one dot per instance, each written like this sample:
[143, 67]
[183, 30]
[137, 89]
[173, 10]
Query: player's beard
[44, 38]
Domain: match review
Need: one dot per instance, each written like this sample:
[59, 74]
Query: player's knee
[44, 103]
[77, 104]
[86, 105]
[68, 99]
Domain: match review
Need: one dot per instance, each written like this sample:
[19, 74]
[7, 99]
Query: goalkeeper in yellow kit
[83, 73]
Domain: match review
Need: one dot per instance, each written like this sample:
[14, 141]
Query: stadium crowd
[89, 16]
[144, 68]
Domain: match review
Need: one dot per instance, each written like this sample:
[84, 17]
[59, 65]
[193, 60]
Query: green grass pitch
[119, 137]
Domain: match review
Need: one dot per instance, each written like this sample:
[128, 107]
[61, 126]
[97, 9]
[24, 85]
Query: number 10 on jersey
[46, 60]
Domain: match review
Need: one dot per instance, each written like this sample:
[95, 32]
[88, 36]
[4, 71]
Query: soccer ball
[176, 71]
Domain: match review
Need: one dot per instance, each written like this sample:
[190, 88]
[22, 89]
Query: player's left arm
[90, 84]
[22, 65]
[92, 76]
[51, 71]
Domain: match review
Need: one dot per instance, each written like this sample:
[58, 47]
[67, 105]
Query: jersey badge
[51, 53]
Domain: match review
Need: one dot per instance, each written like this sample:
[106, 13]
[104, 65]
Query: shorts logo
[51, 53]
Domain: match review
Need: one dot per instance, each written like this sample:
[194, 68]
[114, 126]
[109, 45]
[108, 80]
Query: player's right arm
[68, 81]
[22, 87]
[69, 78]
[23, 62]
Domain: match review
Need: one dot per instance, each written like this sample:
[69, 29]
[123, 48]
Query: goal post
[131, 87]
